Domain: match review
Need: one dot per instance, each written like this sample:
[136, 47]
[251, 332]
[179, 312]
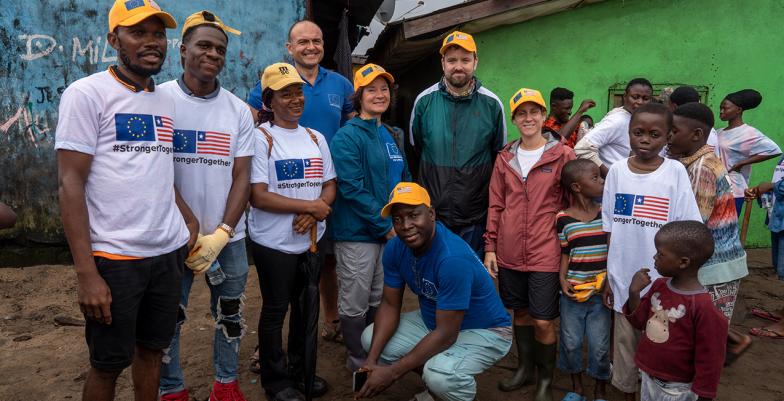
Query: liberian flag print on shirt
[202, 142]
[644, 206]
[164, 126]
[297, 169]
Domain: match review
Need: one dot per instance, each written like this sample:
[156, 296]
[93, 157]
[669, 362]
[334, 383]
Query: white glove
[206, 250]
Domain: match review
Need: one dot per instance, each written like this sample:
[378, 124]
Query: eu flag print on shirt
[143, 127]
[202, 142]
[644, 206]
[297, 169]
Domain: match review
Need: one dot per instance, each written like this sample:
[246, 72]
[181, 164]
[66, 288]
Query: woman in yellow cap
[292, 188]
[521, 245]
[369, 162]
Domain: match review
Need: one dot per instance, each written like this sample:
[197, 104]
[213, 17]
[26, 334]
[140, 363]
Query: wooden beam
[462, 14]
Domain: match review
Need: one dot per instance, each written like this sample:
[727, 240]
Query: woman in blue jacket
[369, 163]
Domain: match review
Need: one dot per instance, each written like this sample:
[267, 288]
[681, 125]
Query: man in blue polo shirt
[327, 107]
[461, 328]
[327, 93]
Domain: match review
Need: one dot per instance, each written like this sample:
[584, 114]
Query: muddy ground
[41, 360]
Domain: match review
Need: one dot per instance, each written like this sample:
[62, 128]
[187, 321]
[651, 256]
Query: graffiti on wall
[33, 126]
[49, 44]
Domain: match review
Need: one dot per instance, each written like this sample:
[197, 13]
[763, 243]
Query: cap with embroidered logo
[366, 74]
[205, 17]
[279, 75]
[407, 193]
[526, 95]
[132, 12]
[458, 38]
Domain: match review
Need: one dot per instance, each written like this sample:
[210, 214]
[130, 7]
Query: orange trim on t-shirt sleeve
[114, 256]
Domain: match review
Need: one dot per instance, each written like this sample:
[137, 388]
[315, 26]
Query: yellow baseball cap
[279, 75]
[407, 193]
[526, 95]
[205, 17]
[458, 38]
[366, 74]
[132, 12]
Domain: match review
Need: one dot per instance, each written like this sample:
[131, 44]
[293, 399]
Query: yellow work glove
[206, 250]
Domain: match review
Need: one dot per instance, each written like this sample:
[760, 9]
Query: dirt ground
[41, 360]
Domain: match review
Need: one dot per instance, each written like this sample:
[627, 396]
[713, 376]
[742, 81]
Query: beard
[459, 83]
[138, 69]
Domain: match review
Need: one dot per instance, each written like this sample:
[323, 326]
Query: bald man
[327, 93]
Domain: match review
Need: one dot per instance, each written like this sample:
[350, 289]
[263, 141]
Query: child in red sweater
[682, 350]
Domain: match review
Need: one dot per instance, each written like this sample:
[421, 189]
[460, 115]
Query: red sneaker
[226, 392]
[178, 396]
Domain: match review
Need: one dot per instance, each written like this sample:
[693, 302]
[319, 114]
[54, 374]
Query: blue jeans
[226, 305]
[588, 319]
[449, 374]
[473, 236]
[777, 251]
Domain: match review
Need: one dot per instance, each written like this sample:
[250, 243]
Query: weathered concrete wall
[726, 45]
[48, 44]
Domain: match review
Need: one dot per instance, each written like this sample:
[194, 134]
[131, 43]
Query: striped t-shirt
[586, 245]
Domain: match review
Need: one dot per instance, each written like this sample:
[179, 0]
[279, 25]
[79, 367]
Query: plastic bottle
[215, 274]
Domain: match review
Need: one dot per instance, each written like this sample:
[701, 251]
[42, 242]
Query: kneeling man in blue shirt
[461, 328]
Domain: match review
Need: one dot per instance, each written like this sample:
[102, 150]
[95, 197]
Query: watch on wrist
[229, 229]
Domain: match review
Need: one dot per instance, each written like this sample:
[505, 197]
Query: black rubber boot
[352, 328]
[544, 354]
[524, 338]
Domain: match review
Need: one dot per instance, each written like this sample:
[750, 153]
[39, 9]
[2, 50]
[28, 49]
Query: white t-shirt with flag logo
[208, 135]
[130, 188]
[634, 207]
[296, 168]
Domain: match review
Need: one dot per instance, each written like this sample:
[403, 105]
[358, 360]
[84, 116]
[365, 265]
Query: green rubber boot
[544, 355]
[524, 338]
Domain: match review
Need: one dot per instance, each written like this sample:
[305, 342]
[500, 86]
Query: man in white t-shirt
[119, 205]
[213, 147]
[608, 141]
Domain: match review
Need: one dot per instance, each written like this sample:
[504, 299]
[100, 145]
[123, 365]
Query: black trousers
[282, 280]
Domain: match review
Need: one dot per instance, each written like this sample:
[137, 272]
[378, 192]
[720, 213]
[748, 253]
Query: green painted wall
[725, 45]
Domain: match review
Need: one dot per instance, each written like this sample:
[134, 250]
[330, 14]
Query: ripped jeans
[226, 305]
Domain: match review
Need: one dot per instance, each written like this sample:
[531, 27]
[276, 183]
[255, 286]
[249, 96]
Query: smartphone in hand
[360, 377]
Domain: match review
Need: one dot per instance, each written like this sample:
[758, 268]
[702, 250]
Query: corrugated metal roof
[396, 52]
[404, 9]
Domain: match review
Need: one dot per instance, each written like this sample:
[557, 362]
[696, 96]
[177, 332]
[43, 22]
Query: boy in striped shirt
[583, 269]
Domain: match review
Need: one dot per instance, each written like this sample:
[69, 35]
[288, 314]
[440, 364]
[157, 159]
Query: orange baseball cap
[366, 74]
[457, 38]
[132, 12]
[526, 95]
[407, 193]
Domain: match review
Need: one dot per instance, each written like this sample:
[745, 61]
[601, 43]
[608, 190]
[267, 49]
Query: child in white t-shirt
[641, 194]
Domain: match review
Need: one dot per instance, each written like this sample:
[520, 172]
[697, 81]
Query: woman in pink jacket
[521, 244]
